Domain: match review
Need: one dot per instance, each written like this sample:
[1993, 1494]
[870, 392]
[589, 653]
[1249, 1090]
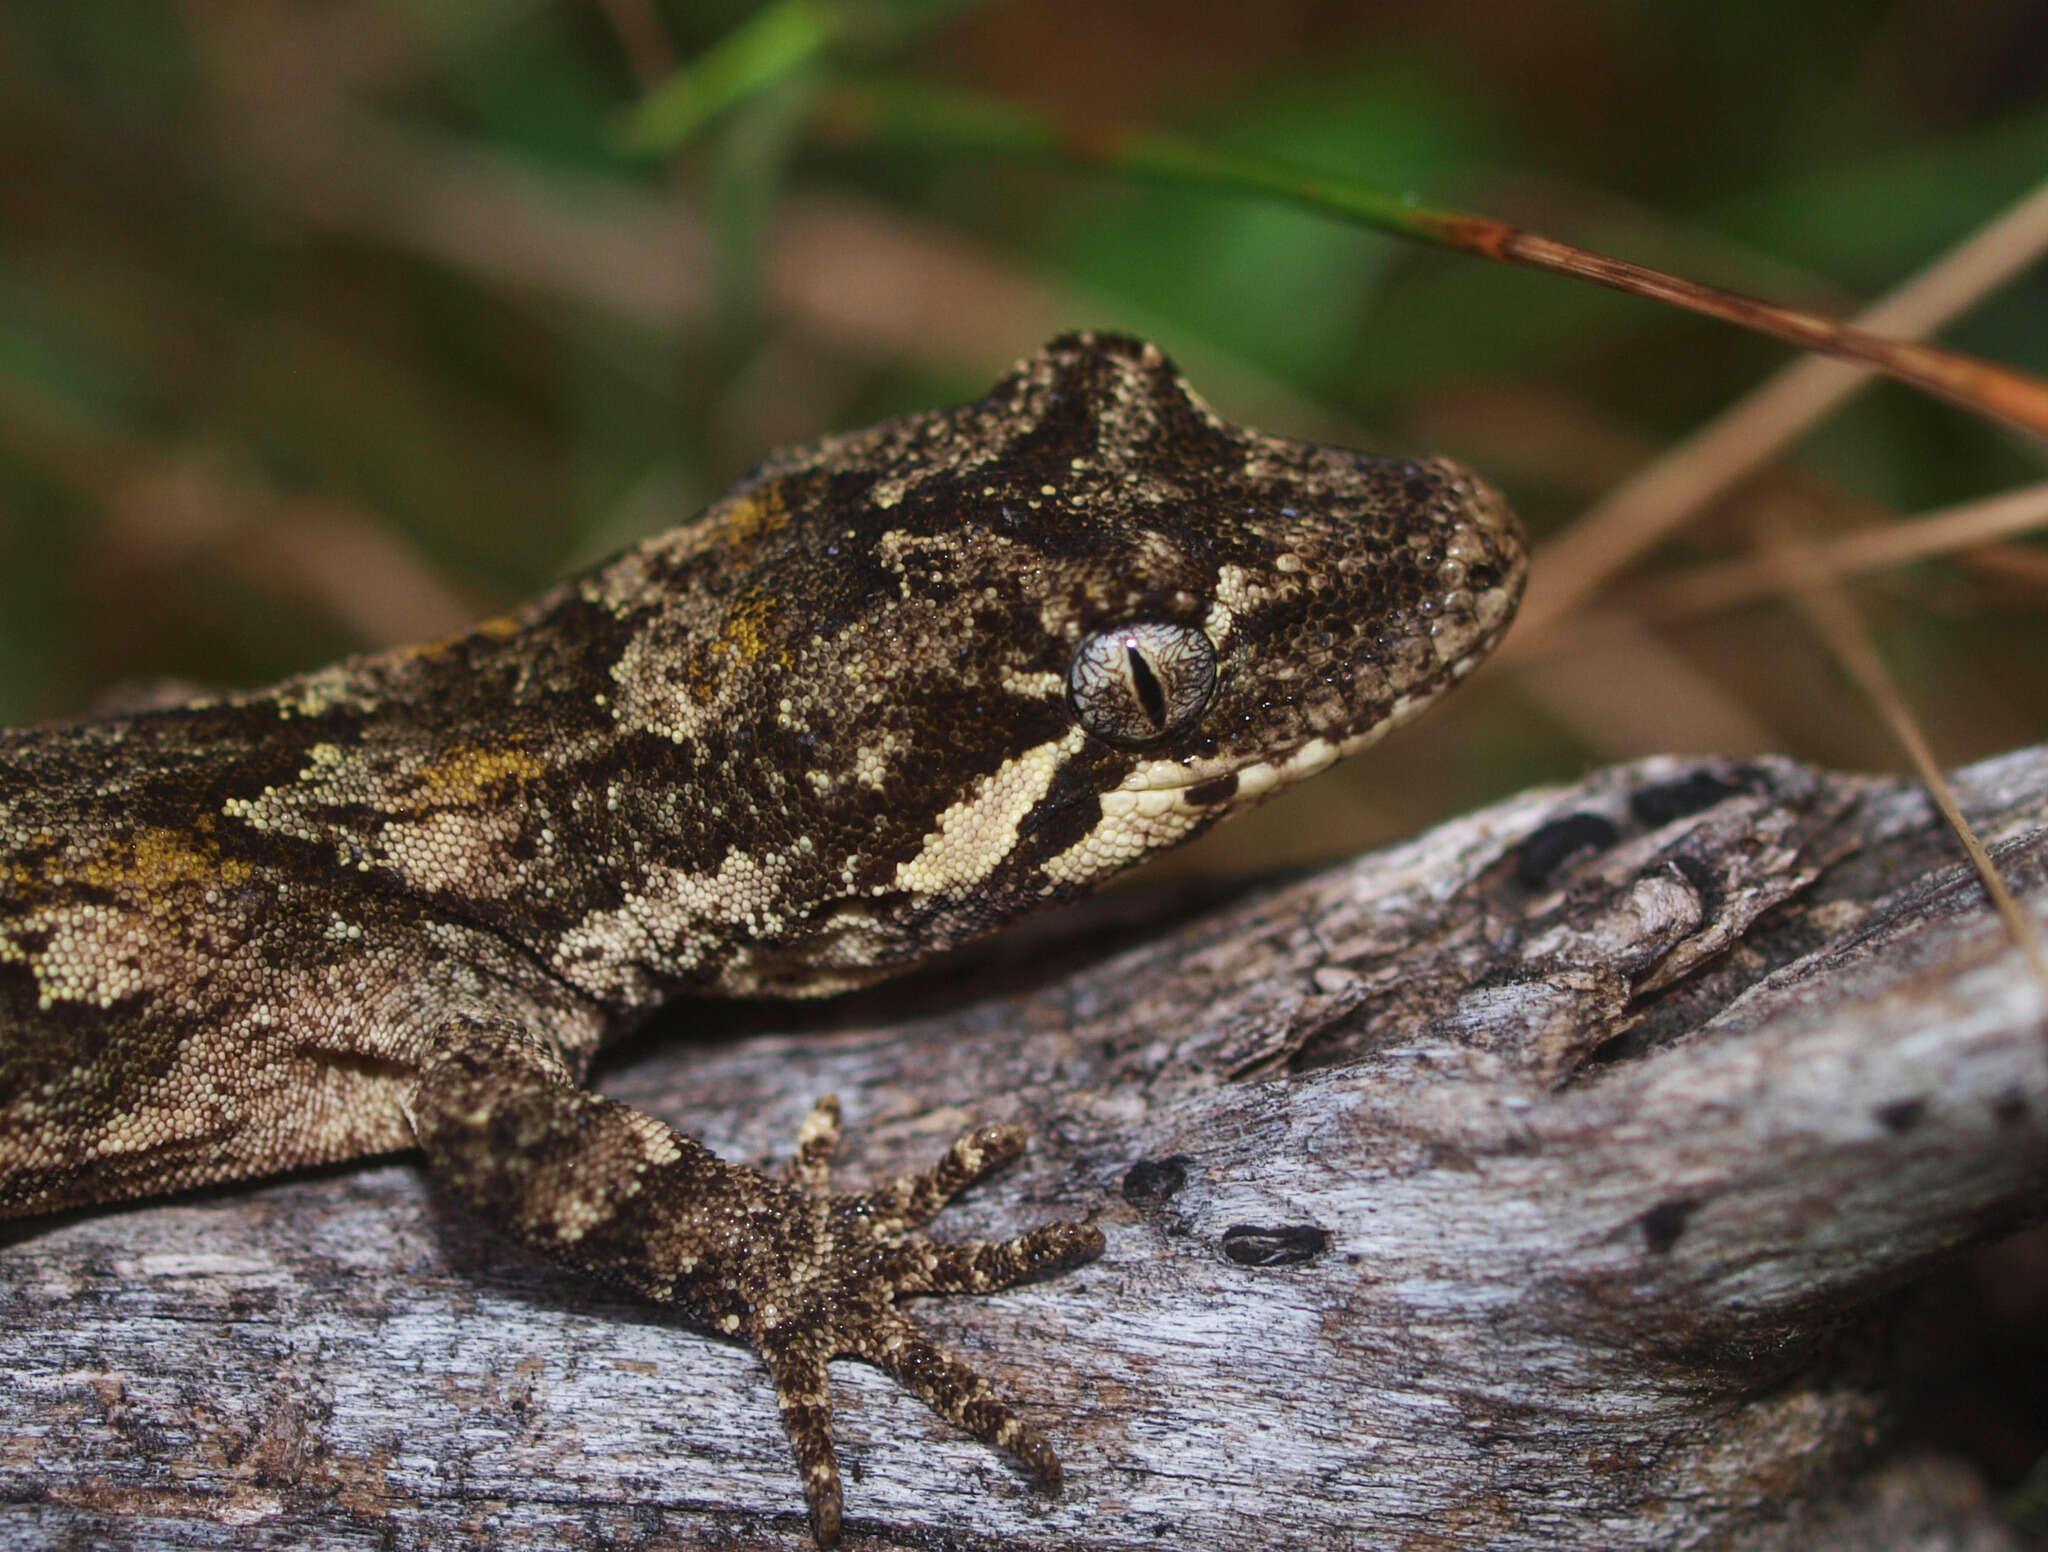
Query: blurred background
[329, 325]
[335, 323]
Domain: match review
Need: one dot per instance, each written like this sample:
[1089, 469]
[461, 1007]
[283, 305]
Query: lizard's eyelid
[1138, 683]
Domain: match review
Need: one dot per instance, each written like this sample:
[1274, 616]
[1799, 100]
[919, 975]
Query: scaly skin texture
[830, 729]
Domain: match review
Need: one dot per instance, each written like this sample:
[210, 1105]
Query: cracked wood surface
[1541, 1181]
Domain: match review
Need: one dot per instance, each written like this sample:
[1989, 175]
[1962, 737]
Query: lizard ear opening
[1139, 683]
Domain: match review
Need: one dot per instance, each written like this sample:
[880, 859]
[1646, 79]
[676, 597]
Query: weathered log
[1529, 1184]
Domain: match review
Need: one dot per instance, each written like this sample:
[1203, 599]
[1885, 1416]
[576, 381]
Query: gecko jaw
[1153, 787]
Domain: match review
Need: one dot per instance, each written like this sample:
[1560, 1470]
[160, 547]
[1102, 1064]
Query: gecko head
[981, 658]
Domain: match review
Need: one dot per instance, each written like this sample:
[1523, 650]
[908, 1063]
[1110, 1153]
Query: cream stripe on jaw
[975, 834]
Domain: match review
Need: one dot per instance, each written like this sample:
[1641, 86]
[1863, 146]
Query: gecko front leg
[802, 1274]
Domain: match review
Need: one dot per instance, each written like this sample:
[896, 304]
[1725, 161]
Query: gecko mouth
[1154, 787]
[1157, 787]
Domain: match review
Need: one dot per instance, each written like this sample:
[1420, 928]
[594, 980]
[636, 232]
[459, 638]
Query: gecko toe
[916, 1199]
[945, 1383]
[817, 1140]
[981, 1266]
[804, 1397]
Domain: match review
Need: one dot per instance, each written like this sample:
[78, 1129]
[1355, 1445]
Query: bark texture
[1544, 1181]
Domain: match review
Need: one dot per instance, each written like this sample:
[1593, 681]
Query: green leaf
[776, 43]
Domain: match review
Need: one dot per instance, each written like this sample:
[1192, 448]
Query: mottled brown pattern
[812, 738]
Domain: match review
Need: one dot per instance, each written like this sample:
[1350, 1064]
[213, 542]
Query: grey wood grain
[1480, 1192]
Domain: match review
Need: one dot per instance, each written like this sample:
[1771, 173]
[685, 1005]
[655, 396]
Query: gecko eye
[1138, 683]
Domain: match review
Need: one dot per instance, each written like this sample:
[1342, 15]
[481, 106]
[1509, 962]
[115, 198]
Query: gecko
[895, 689]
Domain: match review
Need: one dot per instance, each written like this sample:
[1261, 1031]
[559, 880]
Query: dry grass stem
[1827, 610]
[1958, 528]
[1643, 510]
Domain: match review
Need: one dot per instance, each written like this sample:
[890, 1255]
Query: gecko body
[896, 689]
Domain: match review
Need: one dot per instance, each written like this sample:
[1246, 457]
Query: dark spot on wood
[1291, 1244]
[1669, 800]
[1663, 1223]
[1701, 879]
[2010, 1108]
[1149, 1182]
[1550, 847]
[1695, 872]
[1902, 1115]
[1607, 1463]
[1220, 789]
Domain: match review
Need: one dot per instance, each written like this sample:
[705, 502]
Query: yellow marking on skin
[96, 953]
[756, 514]
[158, 860]
[741, 640]
[23, 877]
[744, 632]
[1148, 804]
[976, 833]
[500, 627]
[466, 773]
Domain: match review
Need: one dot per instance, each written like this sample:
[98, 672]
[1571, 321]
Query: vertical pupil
[1146, 683]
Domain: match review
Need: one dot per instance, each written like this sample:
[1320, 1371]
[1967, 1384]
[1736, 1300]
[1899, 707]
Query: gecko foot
[834, 1295]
